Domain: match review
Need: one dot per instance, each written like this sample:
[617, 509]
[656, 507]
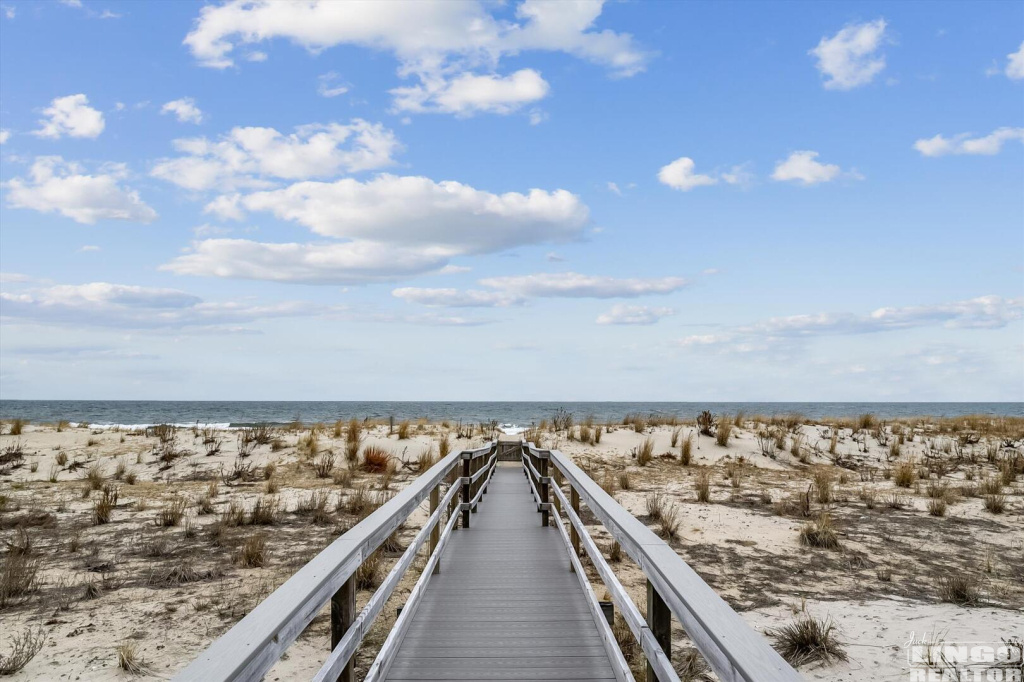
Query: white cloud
[413, 211]
[468, 94]
[984, 312]
[184, 109]
[1015, 64]
[328, 86]
[442, 44]
[802, 167]
[965, 144]
[633, 314]
[679, 175]
[740, 174]
[454, 298]
[256, 56]
[70, 116]
[251, 156]
[101, 304]
[851, 58]
[4, 135]
[89, 247]
[348, 263]
[575, 285]
[9, 11]
[537, 116]
[614, 188]
[57, 185]
[226, 207]
[553, 257]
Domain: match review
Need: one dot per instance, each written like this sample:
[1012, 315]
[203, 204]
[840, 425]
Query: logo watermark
[933, 659]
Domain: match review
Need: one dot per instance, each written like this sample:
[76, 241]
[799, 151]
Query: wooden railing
[251, 648]
[734, 650]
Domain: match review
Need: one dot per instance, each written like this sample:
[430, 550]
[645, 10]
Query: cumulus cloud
[71, 116]
[101, 304]
[468, 94]
[680, 175]
[984, 312]
[415, 210]
[452, 48]
[633, 314]
[347, 263]
[1015, 64]
[575, 285]
[454, 298]
[252, 157]
[55, 185]
[963, 143]
[802, 167]
[852, 57]
[4, 135]
[184, 109]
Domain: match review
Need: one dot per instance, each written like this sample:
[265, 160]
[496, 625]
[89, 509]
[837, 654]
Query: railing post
[544, 490]
[659, 619]
[574, 500]
[477, 465]
[435, 532]
[343, 613]
[466, 494]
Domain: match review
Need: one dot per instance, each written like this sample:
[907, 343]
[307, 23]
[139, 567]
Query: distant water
[241, 413]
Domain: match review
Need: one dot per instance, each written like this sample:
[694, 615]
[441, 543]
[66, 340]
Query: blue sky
[520, 200]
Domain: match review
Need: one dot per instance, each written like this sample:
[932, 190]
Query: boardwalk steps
[503, 597]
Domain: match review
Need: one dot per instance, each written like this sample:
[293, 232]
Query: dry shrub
[425, 461]
[623, 480]
[686, 451]
[18, 577]
[94, 475]
[723, 433]
[808, 639]
[937, 506]
[359, 501]
[316, 507]
[823, 486]
[702, 484]
[645, 453]
[995, 503]
[269, 469]
[172, 512]
[403, 430]
[272, 487]
[129, 659]
[342, 477]
[990, 486]
[324, 464]
[691, 666]
[904, 474]
[820, 533]
[352, 437]
[615, 553]
[376, 459]
[706, 422]
[253, 553]
[24, 647]
[264, 512]
[895, 501]
[960, 588]
[204, 505]
[103, 507]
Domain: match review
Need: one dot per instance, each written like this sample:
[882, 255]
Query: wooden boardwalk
[506, 605]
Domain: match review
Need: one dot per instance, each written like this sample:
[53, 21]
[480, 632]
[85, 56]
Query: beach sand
[171, 590]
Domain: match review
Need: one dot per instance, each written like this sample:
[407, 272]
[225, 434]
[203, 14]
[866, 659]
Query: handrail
[253, 645]
[734, 650]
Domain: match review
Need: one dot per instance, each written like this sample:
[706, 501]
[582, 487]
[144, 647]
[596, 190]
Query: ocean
[231, 413]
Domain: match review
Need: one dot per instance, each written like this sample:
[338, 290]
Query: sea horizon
[232, 413]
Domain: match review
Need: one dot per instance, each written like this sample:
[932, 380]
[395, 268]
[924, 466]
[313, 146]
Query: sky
[521, 200]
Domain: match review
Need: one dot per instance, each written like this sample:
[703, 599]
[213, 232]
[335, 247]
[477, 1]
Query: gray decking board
[505, 605]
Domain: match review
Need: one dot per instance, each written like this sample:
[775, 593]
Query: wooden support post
[544, 491]
[452, 477]
[477, 465]
[343, 614]
[574, 500]
[466, 494]
[435, 532]
[659, 619]
[556, 500]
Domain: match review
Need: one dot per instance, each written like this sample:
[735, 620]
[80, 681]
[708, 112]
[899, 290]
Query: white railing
[734, 650]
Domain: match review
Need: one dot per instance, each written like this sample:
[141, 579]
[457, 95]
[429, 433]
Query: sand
[881, 585]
